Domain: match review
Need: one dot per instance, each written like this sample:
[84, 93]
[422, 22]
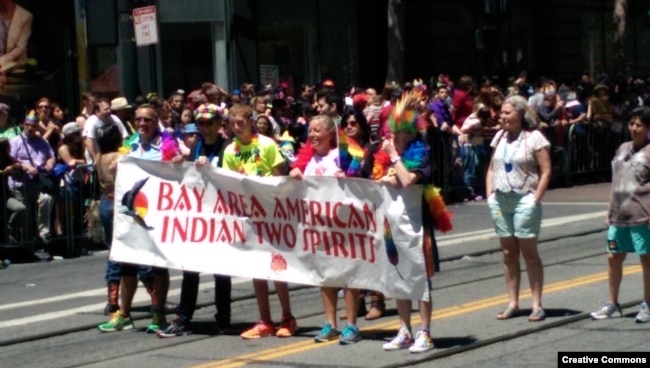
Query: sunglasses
[146, 120]
[352, 123]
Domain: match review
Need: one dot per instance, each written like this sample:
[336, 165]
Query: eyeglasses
[43, 107]
[145, 119]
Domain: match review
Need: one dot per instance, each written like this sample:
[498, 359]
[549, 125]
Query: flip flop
[510, 312]
[537, 315]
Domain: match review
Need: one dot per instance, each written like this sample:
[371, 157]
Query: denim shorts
[628, 239]
[514, 214]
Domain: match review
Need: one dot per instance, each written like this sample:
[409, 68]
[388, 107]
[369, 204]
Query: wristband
[394, 159]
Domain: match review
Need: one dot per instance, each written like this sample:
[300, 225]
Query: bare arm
[89, 143]
[488, 177]
[64, 154]
[543, 158]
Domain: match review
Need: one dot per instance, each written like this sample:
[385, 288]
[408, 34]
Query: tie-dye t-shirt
[630, 202]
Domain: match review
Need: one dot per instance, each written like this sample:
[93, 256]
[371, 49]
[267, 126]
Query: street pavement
[49, 310]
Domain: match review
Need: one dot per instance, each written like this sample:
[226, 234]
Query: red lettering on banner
[278, 210]
[304, 205]
[371, 220]
[355, 220]
[315, 209]
[199, 230]
[340, 245]
[165, 194]
[335, 215]
[276, 234]
[233, 205]
[230, 235]
[293, 210]
[256, 208]
[169, 199]
[220, 206]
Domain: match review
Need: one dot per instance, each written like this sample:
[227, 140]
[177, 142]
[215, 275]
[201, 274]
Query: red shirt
[462, 107]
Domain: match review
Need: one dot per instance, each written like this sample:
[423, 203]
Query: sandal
[510, 312]
[537, 315]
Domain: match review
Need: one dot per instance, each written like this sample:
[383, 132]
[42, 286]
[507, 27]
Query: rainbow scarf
[350, 154]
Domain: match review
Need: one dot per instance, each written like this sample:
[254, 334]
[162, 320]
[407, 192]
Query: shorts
[514, 214]
[628, 239]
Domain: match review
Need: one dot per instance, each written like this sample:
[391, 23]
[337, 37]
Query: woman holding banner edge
[320, 156]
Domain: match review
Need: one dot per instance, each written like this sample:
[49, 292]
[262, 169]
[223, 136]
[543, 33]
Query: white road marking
[444, 240]
[447, 240]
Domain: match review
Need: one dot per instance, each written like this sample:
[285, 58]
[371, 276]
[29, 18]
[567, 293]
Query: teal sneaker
[117, 323]
[350, 335]
[157, 323]
[327, 333]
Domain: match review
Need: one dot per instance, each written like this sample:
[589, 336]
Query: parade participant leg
[512, 272]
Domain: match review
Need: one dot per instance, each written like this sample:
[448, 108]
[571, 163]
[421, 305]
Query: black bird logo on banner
[128, 203]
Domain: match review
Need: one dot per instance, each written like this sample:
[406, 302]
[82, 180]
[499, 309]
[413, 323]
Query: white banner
[319, 231]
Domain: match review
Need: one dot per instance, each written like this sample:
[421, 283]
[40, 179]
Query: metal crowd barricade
[71, 200]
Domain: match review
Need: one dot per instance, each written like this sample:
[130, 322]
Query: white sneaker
[423, 342]
[403, 340]
[644, 314]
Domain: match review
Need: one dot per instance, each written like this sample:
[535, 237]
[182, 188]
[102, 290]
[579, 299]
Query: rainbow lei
[412, 158]
[257, 159]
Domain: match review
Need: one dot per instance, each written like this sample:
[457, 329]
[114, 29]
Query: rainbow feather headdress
[404, 116]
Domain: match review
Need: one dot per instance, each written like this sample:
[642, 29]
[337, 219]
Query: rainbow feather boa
[412, 158]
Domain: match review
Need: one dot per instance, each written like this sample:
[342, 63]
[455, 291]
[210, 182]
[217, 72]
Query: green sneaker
[157, 323]
[117, 323]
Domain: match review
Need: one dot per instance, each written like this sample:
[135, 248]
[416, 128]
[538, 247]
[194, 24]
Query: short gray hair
[521, 106]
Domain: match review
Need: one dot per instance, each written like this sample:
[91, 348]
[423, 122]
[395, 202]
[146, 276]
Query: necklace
[256, 155]
[508, 160]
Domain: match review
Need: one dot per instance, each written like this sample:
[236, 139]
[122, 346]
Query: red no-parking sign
[145, 25]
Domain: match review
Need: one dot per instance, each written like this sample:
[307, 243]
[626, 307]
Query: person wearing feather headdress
[321, 156]
[150, 144]
[402, 161]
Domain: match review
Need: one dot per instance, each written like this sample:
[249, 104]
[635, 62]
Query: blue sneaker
[327, 333]
[350, 335]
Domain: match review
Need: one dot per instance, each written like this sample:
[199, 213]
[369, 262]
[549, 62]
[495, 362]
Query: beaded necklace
[257, 159]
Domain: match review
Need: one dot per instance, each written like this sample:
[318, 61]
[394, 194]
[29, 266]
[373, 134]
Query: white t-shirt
[515, 167]
[93, 124]
[327, 165]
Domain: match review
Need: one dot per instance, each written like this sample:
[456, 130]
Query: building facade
[75, 46]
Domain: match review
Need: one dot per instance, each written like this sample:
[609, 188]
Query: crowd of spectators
[46, 165]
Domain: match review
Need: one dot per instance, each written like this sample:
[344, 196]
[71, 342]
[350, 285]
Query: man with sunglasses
[208, 151]
[102, 116]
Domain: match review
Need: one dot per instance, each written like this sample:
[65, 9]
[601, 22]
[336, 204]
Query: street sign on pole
[145, 25]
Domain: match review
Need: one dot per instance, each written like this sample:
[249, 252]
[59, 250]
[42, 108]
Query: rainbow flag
[350, 154]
